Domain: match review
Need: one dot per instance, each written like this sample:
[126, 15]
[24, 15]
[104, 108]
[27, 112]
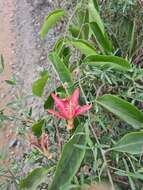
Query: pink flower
[69, 108]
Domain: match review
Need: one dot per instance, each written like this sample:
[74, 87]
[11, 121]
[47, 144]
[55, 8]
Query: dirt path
[24, 53]
[7, 42]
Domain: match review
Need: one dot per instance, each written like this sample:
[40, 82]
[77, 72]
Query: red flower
[69, 108]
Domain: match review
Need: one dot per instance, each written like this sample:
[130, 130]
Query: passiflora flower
[68, 108]
[41, 144]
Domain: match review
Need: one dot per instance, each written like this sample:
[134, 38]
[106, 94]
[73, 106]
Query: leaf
[70, 160]
[133, 175]
[94, 15]
[123, 109]
[10, 82]
[74, 30]
[49, 103]
[131, 143]
[82, 17]
[34, 179]
[84, 46]
[61, 69]
[132, 37]
[109, 61]
[37, 128]
[95, 2]
[50, 21]
[104, 43]
[39, 85]
[1, 63]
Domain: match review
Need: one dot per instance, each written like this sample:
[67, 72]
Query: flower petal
[60, 105]
[82, 109]
[56, 114]
[74, 98]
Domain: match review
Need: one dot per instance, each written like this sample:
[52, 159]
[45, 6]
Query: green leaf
[49, 103]
[10, 82]
[108, 61]
[131, 143]
[95, 2]
[133, 175]
[34, 179]
[70, 160]
[61, 69]
[102, 39]
[84, 46]
[37, 128]
[123, 109]
[39, 85]
[1, 63]
[50, 21]
[94, 15]
[132, 37]
[74, 30]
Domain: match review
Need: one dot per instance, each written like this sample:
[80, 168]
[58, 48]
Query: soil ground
[24, 54]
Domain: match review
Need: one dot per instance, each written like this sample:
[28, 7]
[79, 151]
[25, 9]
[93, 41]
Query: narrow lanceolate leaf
[70, 160]
[50, 21]
[34, 179]
[131, 143]
[123, 109]
[84, 46]
[61, 69]
[1, 63]
[94, 14]
[39, 85]
[108, 61]
[37, 128]
[101, 37]
[132, 37]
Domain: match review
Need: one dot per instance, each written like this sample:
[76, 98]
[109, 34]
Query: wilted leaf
[108, 61]
[50, 21]
[70, 160]
[39, 85]
[123, 109]
[131, 143]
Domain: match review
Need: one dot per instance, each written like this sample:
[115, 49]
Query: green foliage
[131, 143]
[70, 160]
[106, 46]
[34, 178]
[104, 43]
[122, 109]
[85, 47]
[39, 85]
[61, 70]
[94, 15]
[50, 21]
[108, 61]
[37, 128]
[1, 63]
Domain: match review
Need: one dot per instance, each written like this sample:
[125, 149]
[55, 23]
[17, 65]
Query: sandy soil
[24, 54]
